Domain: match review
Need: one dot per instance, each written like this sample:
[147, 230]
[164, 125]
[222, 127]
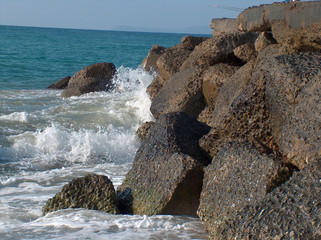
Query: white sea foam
[15, 117]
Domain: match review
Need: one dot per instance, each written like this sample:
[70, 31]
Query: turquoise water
[46, 141]
[32, 58]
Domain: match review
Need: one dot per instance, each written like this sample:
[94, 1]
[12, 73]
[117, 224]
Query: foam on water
[47, 141]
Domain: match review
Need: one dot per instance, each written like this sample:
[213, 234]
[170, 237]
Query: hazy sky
[188, 16]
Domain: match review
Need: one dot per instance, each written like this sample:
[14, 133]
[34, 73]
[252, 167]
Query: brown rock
[166, 177]
[170, 61]
[93, 191]
[245, 52]
[143, 130]
[213, 79]
[296, 24]
[61, 84]
[224, 25]
[190, 42]
[93, 78]
[149, 63]
[264, 39]
[291, 211]
[293, 94]
[156, 85]
[238, 176]
[181, 93]
[218, 50]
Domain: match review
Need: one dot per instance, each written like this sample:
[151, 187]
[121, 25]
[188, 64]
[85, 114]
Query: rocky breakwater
[236, 138]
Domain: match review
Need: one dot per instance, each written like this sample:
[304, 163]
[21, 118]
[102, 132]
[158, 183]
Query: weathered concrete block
[224, 25]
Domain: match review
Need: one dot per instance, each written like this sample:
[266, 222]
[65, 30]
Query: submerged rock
[93, 78]
[167, 173]
[93, 191]
[61, 84]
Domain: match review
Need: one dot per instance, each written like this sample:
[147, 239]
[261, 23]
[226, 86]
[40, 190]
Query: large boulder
[167, 64]
[213, 78]
[167, 172]
[93, 78]
[224, 25]
[190, 42]
[264, 39]
[293, 91]
[291, 211]
[218, 50]
[93, 191]
[149, 63]
[61, 84]
[181, 93]
[245, 52]
[171, 60]
[238, 176]
[295, 24]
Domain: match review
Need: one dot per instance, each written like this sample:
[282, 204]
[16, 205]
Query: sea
[46, 141]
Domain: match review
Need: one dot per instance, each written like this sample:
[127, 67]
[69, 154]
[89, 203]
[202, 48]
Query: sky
[180, 16]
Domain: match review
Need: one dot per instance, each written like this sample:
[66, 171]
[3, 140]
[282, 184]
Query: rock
[231, 89]
[154, 87]
[149, 63]
[61, 84]
[291, 23]
[223, 26]
[218, 50]
[293, 91]
[238, 176]
[190, 42]
[93, 78]
[166, 176]
[213, 79]
[291, 211]
[245, 52]
[93, 191]
[264, 39]
[143, 130]
[181, 93]
[170, 61]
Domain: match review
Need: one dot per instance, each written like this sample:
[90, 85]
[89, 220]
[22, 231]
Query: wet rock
[155, 86]
[291, 211]
[218, 50]
[143, 130]
[149, 63]
[293, 92]
[245, 52]
[264, 39]
[166, 176]
[213, 79]
[61, 84]
[93, 78]
[93, 191]
[181, 93]
[238, 176]
[190, 42]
